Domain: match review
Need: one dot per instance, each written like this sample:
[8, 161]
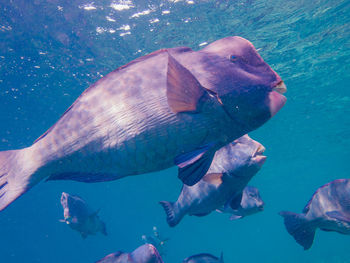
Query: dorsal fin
[183, 89]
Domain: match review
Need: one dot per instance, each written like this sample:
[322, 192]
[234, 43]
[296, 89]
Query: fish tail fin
[15, 175]
[302, 229]
[171, 216]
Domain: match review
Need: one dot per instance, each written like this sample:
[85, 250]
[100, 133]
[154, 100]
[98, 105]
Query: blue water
[50, 51]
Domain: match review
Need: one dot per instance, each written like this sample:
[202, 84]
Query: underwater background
[50, 51]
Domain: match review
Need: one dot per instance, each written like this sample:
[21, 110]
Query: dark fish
[251, 203]
[204, 258]
[172, 107]
[80, 217]
[232, 168]
[328, 210]
[144, 254]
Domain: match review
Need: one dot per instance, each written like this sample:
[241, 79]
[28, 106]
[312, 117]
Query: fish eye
[233, 58]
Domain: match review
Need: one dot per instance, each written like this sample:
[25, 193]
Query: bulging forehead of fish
[70, 200]
[73, 205]
[238, 155]
[245, 84]
[247, 68]
[251, 197]
[251, 190]
[247, 146]
[146, 253]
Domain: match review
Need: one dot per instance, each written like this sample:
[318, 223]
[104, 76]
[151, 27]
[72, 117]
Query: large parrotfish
[172, 107]
[328, 210]
[232, 168]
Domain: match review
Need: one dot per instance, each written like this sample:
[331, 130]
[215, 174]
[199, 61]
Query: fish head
[65, 201]
[241, 158]
[74, 208]
[251, 200]
[249, 90]
[146, 253]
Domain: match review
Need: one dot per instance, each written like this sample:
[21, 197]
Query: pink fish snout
[258, 157]
[275, 99]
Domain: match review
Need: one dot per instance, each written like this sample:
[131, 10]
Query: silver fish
[80, 217]
[233, 167]
[328, 210]
[250, 204]
[204, 258]
[172, 107]
[144, 254]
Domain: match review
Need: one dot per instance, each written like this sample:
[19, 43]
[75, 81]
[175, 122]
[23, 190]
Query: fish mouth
[258, 156]
[261, 208]
[276, 100]
[281, 88]
[260, 150]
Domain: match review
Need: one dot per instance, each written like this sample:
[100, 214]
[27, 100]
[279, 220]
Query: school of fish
[176, 106]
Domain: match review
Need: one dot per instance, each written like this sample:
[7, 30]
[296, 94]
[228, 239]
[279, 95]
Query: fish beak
[258, 156]
[275, 98]
[261, 206]
[260, 150]
[281, 88]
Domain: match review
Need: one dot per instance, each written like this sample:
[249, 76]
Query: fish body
[204, 258]
[146, 253]
[172, 107]
[232, 168]
[80, 217]
[250, 204]
[328, 210]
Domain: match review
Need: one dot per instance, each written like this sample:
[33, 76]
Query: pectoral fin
[235, 202]
[183, 89]
[194, 165]
[339, 216]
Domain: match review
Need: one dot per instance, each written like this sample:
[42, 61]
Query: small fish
[80, 217]
[156, 240]
[204, 258]
[146, 253]
[172, 107]
[251, 203]
[328, 210]
[232, 168]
